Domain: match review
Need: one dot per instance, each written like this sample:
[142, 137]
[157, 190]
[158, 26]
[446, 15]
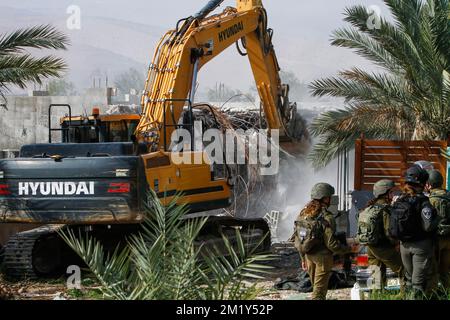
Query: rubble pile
[6, 293]
[246, 119]
[123, 109]
[254, 194]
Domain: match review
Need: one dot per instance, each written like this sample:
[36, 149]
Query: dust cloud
[295, 182]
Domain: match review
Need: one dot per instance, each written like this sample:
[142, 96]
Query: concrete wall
[26, 120]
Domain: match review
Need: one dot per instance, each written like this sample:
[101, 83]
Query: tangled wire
[250, 188]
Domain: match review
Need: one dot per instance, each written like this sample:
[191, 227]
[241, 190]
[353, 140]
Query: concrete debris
[301, 282]
[246, 119]
[59, 296]
[6, 293]
[123, 109]
[248, 180]
[272, 219]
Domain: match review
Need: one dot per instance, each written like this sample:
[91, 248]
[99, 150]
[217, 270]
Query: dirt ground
[273, 294]
[46, 290]
[270, 293]
[57, 290]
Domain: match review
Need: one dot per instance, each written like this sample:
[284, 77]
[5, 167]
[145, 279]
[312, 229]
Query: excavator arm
[170, 91]
[182, 52]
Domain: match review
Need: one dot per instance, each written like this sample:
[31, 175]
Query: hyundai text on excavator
[100, 187]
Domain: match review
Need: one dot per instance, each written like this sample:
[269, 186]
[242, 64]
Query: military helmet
[382, 187]
[436, 180]
[416, 175]
[426, 165]
[321, 190]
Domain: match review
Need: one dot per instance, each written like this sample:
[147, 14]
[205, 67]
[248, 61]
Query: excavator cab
[98, 128]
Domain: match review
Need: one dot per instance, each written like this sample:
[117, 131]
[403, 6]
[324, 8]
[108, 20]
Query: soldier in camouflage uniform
[440, 199]
[381, 249]
[414, 220]
[318, 261]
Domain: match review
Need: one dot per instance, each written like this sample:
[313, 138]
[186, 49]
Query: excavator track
[255, 234]
[42, 253]
[19, 258]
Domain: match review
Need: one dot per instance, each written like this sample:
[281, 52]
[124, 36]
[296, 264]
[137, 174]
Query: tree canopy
[408, 97]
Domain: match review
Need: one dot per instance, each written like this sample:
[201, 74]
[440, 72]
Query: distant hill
[102, 47]
[108, 46]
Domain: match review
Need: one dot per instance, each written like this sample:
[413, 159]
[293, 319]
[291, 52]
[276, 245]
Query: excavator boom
[198, 39]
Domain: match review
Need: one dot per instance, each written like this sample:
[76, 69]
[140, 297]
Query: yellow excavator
[100, 187]
[170, 91]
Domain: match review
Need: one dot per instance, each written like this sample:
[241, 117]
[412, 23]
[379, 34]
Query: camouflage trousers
[319, 271]
[381, 258]
[420, 266]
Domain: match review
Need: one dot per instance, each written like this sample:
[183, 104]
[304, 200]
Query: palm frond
[339, 129]
[408, 99]
[39, 37]
[164, 261]
[18, 70]
[17, 67]
[393, 39]
[367, 47]
[112, 271]
[441, 30]
[230, 272]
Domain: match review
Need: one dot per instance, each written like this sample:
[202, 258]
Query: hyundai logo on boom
[56, 188]
[231, 31]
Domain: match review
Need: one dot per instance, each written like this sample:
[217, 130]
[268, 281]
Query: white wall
[26, 120]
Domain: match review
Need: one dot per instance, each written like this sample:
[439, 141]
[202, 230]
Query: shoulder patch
[427, 213]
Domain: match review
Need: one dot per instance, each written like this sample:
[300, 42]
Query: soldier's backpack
[370, 225]
[404, 221]
[309, 232]
[444, 224]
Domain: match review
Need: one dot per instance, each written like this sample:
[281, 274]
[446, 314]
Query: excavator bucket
[245, 5]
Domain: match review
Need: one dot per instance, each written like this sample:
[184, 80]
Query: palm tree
[408, 98]
[164, 261]
[18, 67]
